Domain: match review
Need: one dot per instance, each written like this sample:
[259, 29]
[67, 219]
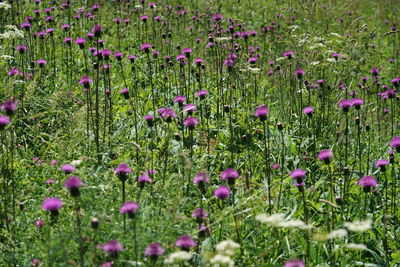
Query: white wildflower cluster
[355, 246]
[339, 233]
[221, 39]
[225, 250]
[178, 257]
[6, 57]
[278, 220]
[250, 69]
[358, 226]
[12, 33]
[4, 6]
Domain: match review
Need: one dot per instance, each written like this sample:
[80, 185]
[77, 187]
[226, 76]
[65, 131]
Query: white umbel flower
[227, 247]
[4, 6]
[355, 246]
[179, 256]
[358, 226]
[222, 260]
[339, 233]
[273, 220]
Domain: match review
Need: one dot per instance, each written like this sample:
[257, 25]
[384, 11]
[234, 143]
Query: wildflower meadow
[199, 133]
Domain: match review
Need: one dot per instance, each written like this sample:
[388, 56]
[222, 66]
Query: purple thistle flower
[222, 192]
[52, 204]
[118, 55]
[375, 72]
[390, 93]
[144, 179]
[288, 54]
[4, 121]
[154, 251]
[199, 214]
[85, 81]
[294, 263]
[167, 114]
[67, 40]
[14, 72]
[185, 243]
[229, 175]
[198, 61]
[146, 47]
[335, 56]
[39, 223]
[364, 79]
[144, 18]
[68, 168]
[191, 122]
[149, 119]
[41, 62]
[180, 57]
[105, 53]
[298, 176]
[180, 100]
[357, 102]
[21, 49]
[325, 155]
[261, 112]
[8, 107]
[129, 208]
[396, 82]
[112, 248]
[201, 177]
[299, 73]
[125, 93]
[368, 182]
[122, 171]
[381, 163]
[190, 108]
[217, 17]
[26, 26]
[187, 52]
[276, 166]
[202, 94]
[309, 111]
[81, 42]
[73, 184]
[345, 104]
[132, 58]
[395, 143]
[96, 30]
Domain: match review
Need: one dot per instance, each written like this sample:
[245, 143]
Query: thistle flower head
[4, 121]
[325, 155]
[185, 242]
[73, 182]
[345, 104]
[154, 250]
[52, 204]
[294, 263]
[309, 111]
[191, 122]
[229, 175]
[261, 113]
[381, 163]
[395, 143]
[112, 248]
[368, 182]
[68, 168]
[8, 107]
[129, 208]
[222, 192]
